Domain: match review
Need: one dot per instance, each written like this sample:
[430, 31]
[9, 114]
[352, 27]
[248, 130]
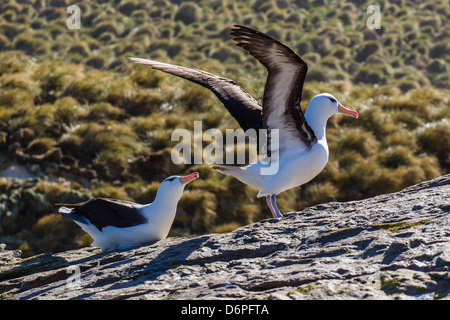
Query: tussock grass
[439, 131]
[104, 111]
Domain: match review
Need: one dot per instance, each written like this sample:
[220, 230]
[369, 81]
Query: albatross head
[173, 186]
[320, 108]
[328, 105]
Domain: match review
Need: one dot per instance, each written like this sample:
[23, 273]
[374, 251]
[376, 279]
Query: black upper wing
[283, 90]
[103, 212]
[243, 107]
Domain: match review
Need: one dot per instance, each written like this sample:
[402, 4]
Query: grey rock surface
[392, 246]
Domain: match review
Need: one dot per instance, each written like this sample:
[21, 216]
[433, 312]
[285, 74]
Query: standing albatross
[119, 224]
[301, 152]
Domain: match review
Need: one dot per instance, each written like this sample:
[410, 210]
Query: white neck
[317, 121]
[164, 206]
[168, 198]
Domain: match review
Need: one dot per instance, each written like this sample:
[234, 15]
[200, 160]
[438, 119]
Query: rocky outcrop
[393, 246]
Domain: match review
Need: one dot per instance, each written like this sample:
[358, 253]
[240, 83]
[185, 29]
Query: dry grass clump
[226, 227]
[146, 77]
[319, 192]
[31, 45]
[53, 232]
[105, 27]
[15, 96]
[435, 138]
[144, 102]
[357, 140]
[197, 209]
[62, 191]
[105, 111]
[373, 73]
[196, 98]
[40, 145]
[53, 78]
[91, 87]
[369, 49]
[188, 13]
[106, 190]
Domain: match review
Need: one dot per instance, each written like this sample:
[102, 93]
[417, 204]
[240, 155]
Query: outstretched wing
[103, 212]
[283, 90]
[243, 107]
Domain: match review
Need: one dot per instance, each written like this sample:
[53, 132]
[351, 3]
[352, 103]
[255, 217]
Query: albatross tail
[227, 170]
[247, 175]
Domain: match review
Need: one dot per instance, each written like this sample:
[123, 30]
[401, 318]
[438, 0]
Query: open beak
[344, 110]
[189, 178]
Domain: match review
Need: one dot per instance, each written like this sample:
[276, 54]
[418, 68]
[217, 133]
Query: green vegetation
[390, 285]
[86, 122]
[400, 226]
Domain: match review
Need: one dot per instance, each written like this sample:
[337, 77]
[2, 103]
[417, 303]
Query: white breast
[296, 169]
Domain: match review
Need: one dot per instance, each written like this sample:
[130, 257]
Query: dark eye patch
[170, 179]
[332, 100]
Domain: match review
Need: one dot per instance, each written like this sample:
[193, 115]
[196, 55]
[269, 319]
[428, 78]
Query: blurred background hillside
[78, 120]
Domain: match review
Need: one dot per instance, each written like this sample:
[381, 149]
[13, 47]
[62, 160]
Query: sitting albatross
[119, 224]
[302, 150]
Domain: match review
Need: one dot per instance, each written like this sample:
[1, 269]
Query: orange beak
[349, 112]
[189, 178]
